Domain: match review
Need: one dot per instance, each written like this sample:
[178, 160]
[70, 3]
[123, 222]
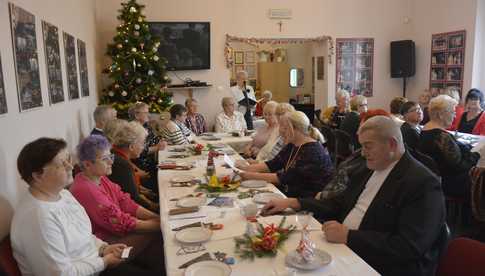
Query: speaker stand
[404, 87]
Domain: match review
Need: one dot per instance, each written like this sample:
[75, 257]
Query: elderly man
[392, 212]
[230, 120]
[244, 96]
[102, 115]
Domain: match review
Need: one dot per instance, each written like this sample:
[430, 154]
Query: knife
[203, 257]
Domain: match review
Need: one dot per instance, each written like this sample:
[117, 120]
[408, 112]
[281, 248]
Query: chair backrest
[343, 145]
[425, 159]
[330, 143]
[463, 257]
[7, 261]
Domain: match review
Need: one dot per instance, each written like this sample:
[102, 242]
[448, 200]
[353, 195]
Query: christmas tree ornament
[133, 50]
[119, 46]
[140, 19]
[150, 72]
[137, 27]
[155, 58]
[111, 94]
[126, 40]
[117, 86]
[138, 80]
[142, 45]
[165, 77]
[136, 33]
[132, 9]
[124, 93]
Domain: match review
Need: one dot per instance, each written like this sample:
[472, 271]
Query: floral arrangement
[197, 149]
[264, 242]
[222, 184]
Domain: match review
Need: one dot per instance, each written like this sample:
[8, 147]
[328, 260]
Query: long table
[344, 260]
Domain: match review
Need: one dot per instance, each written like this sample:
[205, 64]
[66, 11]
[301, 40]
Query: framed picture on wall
[3, 98]
[83, 67]
[238, 57]
[251, 70]
[53, 63]
[250, 57]
[25, 58]
[320, 67]
[71, 66]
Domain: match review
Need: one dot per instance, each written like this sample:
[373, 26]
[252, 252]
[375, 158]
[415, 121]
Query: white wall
[381, 19]
[69, 120]
[438, 16]
[478, 79]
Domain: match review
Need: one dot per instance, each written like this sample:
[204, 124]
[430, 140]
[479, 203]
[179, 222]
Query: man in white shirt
[244, 97]
[391, 213]
[230, 120]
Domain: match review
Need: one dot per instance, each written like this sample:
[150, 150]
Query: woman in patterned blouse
[175, 131]
[303, 167]
[194, 121]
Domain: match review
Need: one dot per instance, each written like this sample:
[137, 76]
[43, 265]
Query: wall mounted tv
[185, 45]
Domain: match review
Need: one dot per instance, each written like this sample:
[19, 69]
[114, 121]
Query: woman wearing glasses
[114, 215]
[51, 233]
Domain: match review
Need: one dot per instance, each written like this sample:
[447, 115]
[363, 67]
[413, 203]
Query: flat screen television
[185, 45]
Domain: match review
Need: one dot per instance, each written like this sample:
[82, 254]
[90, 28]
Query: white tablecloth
[237, 143]
[345, 261]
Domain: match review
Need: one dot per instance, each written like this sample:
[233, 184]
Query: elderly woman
[267, 95]
[175, 131]
[454, 159]
[148, 159]
[114, 215]
[333, 116]
[351, 122]
[102, 115]
[194, 121]
[51, 233]
[265, 135]
[230, 120]
[453, 92]
[395, 108]
[473, 119]
[303, 158]
[410, 129]
[128, 140]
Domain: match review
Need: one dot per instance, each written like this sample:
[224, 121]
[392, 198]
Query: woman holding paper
[303, 167]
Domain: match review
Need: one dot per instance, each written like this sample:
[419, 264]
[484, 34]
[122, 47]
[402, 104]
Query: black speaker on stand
[403, 60]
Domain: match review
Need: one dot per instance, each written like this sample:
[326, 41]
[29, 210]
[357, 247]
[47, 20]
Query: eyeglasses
[415, 110]
[107, 158]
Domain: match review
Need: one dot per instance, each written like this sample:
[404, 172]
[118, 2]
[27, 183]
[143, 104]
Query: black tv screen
[185, 45]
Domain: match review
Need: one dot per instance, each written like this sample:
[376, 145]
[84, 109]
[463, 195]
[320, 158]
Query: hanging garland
[228, 50]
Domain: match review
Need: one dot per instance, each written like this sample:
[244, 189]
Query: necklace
[49, 196]
[292, 158]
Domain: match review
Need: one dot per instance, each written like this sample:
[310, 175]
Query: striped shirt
[196, 123]
[172, 133]
[280, 144]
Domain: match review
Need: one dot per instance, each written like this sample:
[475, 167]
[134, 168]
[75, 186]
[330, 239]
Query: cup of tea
[249, 211]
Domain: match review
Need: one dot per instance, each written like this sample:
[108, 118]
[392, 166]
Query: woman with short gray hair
[453, 158]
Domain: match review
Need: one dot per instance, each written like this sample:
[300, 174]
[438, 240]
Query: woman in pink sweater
[113, 214]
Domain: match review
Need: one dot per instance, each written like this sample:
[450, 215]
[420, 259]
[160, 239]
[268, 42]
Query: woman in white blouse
[230, 120]
[51, 233]
[266, 136]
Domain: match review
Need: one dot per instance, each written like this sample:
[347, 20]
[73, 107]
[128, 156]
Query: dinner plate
[193, 235]
[182, 179]
[191, 202]
[206, 268]
[211, 138]
[218, 146]
[322, 258]
[264, 198]
[253, 184]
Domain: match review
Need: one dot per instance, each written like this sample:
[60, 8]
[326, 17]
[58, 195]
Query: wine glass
[303, 219]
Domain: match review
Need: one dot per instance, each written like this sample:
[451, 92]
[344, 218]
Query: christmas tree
[138, 73]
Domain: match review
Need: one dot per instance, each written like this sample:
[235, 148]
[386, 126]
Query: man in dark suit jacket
[102, 115]
[392, 212]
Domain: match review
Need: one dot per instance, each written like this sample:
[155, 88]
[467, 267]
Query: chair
[343, 145]
[7, 261]
[463, 257]
[330, 142]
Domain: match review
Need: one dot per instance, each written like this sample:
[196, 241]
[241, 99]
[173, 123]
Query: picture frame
[71, 66]
[83, 68]
[3, 97]
[53, 63]
[238, 57]
[320, 67]
[26, 60]
[250, 57]
[251, 70]
[238, 68]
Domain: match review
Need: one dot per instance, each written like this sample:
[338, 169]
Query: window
[296, 77]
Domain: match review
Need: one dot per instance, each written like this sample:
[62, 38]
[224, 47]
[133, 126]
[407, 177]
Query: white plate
[208, 268]
[218, 146]
[210, 138]
[193, 235]
[253, 184]
[322, 258]
[191, 202]
[264, 198]
[182, 179]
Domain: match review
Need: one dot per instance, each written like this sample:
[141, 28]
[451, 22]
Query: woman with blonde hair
[333, 116]
[128, 140]
[453, 158]
[303, 157]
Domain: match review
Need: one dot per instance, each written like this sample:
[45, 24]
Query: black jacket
[400, 229]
